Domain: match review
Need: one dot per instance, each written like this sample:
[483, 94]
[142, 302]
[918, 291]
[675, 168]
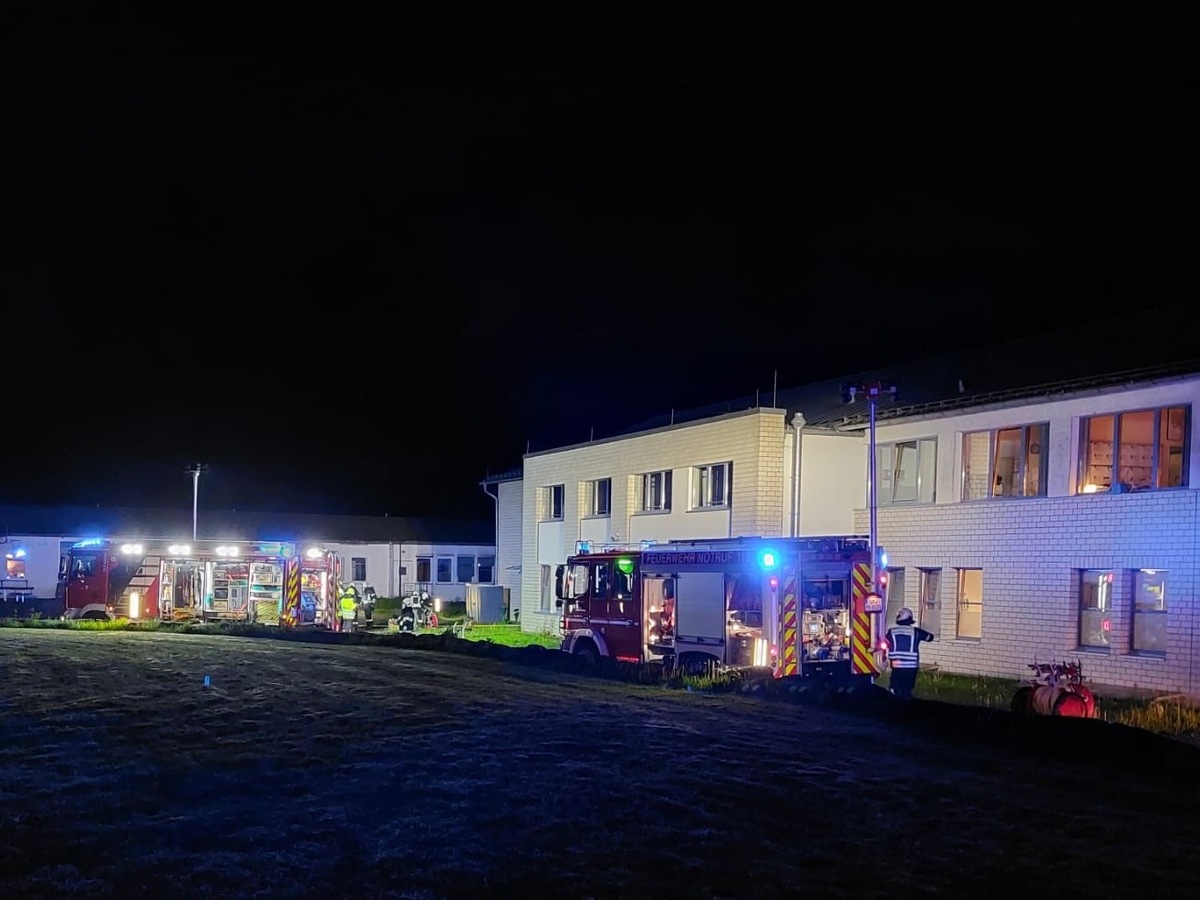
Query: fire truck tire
[1020, 700]
[586, 650]
[695, 664]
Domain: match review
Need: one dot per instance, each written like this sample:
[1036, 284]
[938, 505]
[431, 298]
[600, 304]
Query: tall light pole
[195, 470]
[871, 392]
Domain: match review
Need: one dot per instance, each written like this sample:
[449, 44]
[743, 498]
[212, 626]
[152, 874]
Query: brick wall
[1031, 551]
[752, 440]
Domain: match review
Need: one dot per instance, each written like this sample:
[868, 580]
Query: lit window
[14, 567]
[1134, 451]
[1006, 462]
[970, 604]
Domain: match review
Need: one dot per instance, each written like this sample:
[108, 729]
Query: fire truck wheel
[1020, 700]
[586, 651]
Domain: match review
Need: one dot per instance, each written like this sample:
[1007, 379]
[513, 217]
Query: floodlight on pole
[871, 392]
[195, 470]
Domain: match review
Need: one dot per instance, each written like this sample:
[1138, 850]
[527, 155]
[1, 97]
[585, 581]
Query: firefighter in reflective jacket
[904, 654]
[348, 606]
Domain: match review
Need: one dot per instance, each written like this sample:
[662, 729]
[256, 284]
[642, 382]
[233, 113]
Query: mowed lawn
[370, 771]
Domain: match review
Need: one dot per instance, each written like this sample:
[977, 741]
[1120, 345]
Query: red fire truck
[254, 581]
[800, 606]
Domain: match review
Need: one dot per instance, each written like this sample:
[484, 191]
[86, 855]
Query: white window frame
[1106, 584]
[885, 475]
[594, 496]
[1140, 615]
[703, 496]
[428, 560]
[489, 567]
[358, 563]
[437, 570]
[459, 558]
[544, 593]
[656, 498]
[960, 602]
[929, 597]
[1032, 434]
[1085, 470]
[556, 499]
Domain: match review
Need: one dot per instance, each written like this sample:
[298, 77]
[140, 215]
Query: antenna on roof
[672, 417]
[756, 403]
[592, 436]
[775, 390]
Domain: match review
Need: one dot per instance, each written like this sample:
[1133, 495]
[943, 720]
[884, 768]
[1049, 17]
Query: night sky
[354, 265]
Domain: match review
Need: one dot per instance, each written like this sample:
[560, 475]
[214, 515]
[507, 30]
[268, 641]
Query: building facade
[394, 555]
[1030, 525]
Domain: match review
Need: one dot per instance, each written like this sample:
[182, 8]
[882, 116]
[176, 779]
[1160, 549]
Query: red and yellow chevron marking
[862, 660]
[790, 652]
[291, 592]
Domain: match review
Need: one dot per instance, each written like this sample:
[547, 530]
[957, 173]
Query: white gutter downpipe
[496, 532]
[798, 423]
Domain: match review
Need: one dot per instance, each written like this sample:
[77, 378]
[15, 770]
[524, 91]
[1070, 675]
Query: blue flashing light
[883, 558]
[768, 559]
[88, 542]
[20, 554]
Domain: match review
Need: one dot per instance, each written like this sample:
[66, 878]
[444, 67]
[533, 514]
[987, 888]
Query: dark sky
[355, 264]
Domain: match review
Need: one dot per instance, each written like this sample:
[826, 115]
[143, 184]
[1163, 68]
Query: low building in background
[394, 555]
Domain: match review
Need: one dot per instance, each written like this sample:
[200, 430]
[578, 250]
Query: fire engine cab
[253, 581]
[799, 606]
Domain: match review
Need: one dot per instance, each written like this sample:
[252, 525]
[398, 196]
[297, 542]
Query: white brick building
[998, 510]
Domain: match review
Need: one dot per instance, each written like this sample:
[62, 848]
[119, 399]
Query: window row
[710, 486]
[1119, 452]
[1146, 618]
[460, 569]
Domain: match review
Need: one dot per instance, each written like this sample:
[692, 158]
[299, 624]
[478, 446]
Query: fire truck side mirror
[559, 572]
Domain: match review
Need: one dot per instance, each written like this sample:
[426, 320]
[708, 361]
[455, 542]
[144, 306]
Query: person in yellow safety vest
[348, 606]
[904, 653]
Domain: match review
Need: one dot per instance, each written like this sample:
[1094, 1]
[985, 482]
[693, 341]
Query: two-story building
[1025, 517]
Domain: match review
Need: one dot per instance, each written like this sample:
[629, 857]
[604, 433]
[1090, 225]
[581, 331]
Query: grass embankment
[1173, 716]
[1170, 715]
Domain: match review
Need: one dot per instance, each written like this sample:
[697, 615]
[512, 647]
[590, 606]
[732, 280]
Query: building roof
[1125, 350]
[510, 475]
[233, 525]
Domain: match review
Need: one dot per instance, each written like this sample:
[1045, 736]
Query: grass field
[372, 771]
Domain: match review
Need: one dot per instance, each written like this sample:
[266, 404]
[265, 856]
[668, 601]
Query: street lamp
[871, 392]
[195, 470]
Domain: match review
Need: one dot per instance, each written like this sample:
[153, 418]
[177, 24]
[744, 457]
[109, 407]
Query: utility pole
[871, 392]
[195, 470]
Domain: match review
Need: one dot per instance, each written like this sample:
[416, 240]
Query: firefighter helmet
[904, 617]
